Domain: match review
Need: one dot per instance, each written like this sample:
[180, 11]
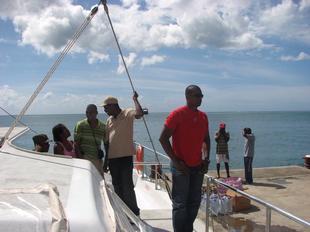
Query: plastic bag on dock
[235, 182]
[225, 205]
[214, 204]
[220, 204]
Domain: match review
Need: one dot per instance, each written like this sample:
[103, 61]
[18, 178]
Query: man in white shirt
[120, 148]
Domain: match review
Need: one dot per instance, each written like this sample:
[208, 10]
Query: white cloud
[49, 30]
[301, 56]
[11, 100]
[63, 104]
[288, 19]
[217, 99]
[150, 25]
[258, 97]
[48, 25]
[130, 62]
[47, 95]
[9, 9]
[6, 94]
[152, 60]
[94, 57]
[3, 40]
[127, 3]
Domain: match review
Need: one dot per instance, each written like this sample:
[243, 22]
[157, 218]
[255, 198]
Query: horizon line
[158, 112]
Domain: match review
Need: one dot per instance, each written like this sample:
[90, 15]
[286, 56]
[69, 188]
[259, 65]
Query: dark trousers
[248, 169]
[186, 197]
[121, 172]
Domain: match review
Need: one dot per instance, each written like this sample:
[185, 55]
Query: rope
[19, 121]
[106, 9]
[104, 3]
[53, 68]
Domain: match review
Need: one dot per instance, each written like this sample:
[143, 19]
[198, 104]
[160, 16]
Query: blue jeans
[121, 172]
[186, 197]
[248, 169]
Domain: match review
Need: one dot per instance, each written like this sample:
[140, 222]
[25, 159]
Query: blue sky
[245, 55]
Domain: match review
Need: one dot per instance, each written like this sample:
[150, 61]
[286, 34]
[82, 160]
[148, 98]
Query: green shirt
[85, 136]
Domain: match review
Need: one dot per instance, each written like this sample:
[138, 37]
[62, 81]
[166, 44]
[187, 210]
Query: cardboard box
[239, 202]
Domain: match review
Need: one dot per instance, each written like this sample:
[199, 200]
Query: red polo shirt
[189, 130]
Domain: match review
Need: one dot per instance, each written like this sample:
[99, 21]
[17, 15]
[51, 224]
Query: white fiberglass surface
[28, 212]
[150, 198]
[77, 182]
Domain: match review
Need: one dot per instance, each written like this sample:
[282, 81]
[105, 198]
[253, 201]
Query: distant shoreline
[212, 112]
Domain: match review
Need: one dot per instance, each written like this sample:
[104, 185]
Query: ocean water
[282, 138]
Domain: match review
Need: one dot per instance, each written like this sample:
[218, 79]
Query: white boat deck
[76, 180]
[156, 207]
[81, 193]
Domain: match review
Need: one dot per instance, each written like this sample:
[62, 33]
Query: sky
[245, 55]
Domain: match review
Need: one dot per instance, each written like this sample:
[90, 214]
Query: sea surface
[282, 138]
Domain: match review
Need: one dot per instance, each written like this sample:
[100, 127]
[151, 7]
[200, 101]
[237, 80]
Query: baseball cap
[109, 101]
[222, 125]
[39, 139]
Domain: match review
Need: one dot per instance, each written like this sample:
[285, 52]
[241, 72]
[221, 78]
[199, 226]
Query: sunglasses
[197, 95]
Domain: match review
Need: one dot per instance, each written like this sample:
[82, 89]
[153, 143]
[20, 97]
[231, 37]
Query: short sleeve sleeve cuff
[172, 120]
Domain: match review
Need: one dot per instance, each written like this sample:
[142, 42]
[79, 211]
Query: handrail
[149, 149]
[268, 206]
[150, 163]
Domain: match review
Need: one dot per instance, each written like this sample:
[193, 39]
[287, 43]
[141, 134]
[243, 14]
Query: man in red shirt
[189, 129]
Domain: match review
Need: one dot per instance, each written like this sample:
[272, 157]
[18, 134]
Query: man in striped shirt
[89, 134]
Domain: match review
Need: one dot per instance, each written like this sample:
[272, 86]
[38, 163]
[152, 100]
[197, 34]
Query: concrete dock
[285, 187]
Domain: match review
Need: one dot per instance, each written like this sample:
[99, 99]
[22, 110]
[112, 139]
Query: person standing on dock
[120, 148]
[248, 154]
[189, 128]
[88, 136]
[222, 153]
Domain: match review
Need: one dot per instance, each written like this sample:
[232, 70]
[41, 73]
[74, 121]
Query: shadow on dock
[268, 185]
[283, 187]
[230, 223]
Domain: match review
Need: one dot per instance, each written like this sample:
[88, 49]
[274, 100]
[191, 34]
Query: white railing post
[143, 172]
[268, 219]
[156, 177]
[207, 205]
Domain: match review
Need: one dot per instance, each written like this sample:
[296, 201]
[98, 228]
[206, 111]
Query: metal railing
[153, 166]
[269, 207]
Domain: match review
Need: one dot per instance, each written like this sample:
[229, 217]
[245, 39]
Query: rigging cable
[19, 121]
[104, 3]
[55, 65]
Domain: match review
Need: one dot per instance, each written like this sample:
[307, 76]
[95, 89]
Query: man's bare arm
[164, 140]
[139, 112]
[207, 141]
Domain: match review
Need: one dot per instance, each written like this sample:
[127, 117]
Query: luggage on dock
[218, 204]
[235, 182]
[239, 202]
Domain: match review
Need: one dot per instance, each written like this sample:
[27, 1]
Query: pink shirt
[68, 153]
